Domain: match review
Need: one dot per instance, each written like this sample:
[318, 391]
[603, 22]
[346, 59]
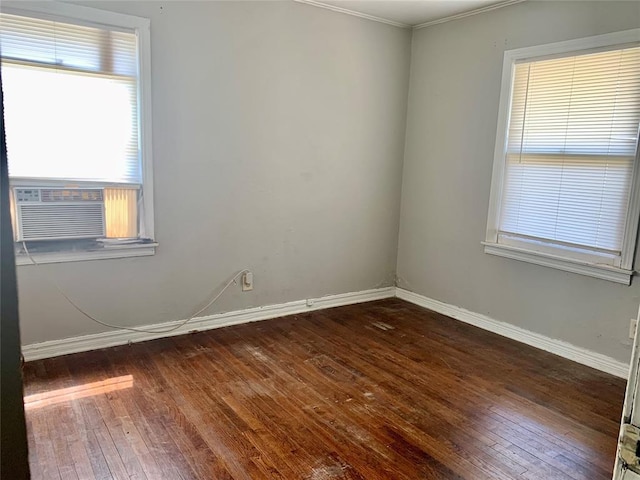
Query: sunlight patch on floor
[61, 395]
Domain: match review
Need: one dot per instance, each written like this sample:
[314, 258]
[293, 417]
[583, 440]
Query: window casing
[564, 191]
[78, 116]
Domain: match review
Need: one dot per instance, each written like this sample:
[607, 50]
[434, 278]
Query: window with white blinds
[569, 154]
[77, 116]
[71, 100]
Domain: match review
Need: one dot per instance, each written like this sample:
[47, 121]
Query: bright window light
[64, 125]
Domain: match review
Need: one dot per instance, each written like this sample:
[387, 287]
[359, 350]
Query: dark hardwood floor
[383, 390]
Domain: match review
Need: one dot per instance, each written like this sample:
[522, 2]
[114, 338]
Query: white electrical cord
[134, 329]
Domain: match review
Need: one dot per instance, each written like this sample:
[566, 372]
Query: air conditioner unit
[58, 213]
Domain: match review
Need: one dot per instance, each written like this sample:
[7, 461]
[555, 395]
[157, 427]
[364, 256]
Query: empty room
[337, 239]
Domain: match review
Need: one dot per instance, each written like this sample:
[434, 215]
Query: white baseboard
[96, 341]
[85, 343]
[559, 347]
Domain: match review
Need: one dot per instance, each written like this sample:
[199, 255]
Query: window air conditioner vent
[57, 214]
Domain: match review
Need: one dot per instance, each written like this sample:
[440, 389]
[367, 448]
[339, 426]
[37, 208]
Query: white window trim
[142, 26]
[620, 274]
[116, 251]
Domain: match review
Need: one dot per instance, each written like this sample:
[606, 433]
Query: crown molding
[346, 11]
[353, 13]
[488, 8]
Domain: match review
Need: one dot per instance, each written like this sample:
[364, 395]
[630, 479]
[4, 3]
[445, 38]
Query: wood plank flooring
[382, 390]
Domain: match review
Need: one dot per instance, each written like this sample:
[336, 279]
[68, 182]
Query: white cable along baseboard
[96, 341]
[558, 347]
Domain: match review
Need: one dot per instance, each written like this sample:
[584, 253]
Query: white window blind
[71, 101]
[571, 148]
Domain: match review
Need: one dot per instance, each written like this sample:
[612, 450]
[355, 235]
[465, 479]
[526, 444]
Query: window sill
[115, 251]
[604, 272]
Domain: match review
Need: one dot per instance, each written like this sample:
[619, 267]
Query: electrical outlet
[247, 281]
[633, 324]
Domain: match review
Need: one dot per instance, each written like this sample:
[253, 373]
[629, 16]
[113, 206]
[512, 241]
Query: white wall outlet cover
[247, 281]
[633, 325]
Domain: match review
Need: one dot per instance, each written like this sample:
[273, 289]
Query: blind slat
[58, 43]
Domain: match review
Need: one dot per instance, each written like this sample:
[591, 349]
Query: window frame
[563, 258]
[93, 17]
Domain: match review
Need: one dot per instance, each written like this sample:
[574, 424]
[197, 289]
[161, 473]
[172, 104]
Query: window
[565, 189]
[77, 119]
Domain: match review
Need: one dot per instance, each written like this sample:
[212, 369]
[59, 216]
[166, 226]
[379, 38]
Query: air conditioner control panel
[27, 195]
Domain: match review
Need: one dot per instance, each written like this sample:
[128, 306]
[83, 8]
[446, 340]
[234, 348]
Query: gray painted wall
[278, 144]
[279, 132]
[451, 130]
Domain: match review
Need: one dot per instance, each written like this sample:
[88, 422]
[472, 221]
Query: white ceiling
[411, 12]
